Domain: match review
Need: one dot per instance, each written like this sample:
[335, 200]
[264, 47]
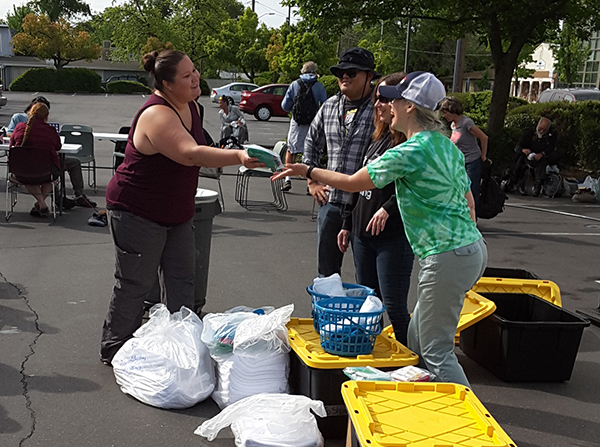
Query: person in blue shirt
[23, 117]
[297, 132]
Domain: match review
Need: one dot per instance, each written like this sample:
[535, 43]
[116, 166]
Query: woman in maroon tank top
[150, 199]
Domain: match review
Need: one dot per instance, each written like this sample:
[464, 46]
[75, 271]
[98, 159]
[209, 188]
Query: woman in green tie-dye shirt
[437, 209]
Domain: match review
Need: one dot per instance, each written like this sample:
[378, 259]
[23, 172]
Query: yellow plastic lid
[412, 414]
[306, 343]
[546, 290]
[475, 308]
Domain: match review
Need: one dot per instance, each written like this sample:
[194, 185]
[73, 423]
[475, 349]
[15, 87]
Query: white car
[3, 99]
[233, 90]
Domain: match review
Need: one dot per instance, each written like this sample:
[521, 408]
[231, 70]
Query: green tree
[62, 9]
[15, 20]
[241, 43]
[499, 22]
[297, 47]
[570, 54]
[58, 41]
[134, 22]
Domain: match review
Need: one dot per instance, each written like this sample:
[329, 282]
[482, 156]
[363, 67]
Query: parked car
[3, 100]
[233, 90]
[569, 94]
[125, 77]
[264, 102]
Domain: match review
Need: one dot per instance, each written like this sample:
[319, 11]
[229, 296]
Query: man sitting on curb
[536, 149]
[72, 164]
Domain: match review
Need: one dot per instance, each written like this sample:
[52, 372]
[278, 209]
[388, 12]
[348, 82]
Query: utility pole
[459, 66]
[253, 5]
[407, 47]
[289, 17]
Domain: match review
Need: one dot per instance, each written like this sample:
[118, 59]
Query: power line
[272, 9]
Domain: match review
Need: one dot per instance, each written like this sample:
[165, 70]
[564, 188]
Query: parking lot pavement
[56, 278]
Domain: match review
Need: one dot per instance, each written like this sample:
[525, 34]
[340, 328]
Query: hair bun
[149, 60]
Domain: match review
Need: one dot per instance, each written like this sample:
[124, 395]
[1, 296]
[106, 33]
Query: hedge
[204, 88]
[127, 87]
[331, 84]
[70, 80]
[266, 78]
[477, 105]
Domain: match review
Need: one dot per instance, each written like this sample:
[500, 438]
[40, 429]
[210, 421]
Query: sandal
[35, 212]
[44, 211]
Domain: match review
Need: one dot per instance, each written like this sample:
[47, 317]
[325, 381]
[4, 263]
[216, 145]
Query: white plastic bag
[269, 420]
[166, 364]
[593, 184]
[264, 335]
[219, 331]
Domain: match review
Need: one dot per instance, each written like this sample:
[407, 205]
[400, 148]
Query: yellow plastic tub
[547, 290]
[475, 308]
[409, 414]
[319, 375]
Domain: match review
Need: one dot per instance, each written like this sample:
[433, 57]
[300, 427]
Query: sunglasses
[351, 73]
[383, 99]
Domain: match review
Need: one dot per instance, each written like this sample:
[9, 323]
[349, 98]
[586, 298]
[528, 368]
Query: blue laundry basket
[355, 290]
[345, 331]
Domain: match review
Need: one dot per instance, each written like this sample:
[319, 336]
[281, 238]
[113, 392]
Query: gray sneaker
[287, 186]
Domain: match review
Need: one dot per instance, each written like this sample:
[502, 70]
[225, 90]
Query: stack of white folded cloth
[251, 376]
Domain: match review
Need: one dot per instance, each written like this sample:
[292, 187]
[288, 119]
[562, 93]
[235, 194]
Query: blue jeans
[386, 265]
[444, 280]
[329, 224]
[474, 172]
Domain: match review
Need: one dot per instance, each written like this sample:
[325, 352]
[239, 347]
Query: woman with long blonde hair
[38, 134]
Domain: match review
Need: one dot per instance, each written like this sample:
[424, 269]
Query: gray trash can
[207, 207]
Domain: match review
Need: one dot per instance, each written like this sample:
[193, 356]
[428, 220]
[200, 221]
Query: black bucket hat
[358, 58]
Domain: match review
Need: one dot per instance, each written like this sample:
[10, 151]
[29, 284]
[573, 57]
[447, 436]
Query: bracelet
[310, 169]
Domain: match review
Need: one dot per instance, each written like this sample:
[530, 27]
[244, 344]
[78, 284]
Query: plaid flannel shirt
[346, 144]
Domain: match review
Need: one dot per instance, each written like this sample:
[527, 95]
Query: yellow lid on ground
[547, 290]
[407, 414]
[306, 343]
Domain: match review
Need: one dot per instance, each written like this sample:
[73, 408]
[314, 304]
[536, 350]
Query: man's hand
[537, 157]
[343, 240]
[526, 151]
[319, 192]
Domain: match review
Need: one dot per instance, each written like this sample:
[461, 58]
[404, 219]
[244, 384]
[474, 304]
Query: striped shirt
[347, 134]
[431, 183]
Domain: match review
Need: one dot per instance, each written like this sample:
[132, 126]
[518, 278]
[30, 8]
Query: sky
[270, 12]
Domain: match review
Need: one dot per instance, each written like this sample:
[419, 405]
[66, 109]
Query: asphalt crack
[24, 376]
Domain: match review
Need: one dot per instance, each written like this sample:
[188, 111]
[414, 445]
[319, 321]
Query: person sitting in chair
[36, 133]
[232, 121]
[536, 149]
[72, 164]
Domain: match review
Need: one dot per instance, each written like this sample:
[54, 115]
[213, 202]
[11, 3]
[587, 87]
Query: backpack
[554, 186]
[305, 107]
[491, 201]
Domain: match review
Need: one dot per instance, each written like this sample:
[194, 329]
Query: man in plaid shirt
[344, 124]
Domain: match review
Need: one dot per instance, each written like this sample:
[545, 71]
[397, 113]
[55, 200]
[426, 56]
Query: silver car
[3, 99]
[233, 90]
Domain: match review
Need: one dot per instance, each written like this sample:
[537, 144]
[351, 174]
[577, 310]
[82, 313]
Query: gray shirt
[465, 140]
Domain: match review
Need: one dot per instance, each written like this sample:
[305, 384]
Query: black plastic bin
[526, 339]
[323, 385]
[500, 272]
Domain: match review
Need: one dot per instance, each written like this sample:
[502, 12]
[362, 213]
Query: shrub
[127, 87]
[578, 133]
[35, 80]
[204, 88]
[331, 84]
[267, 77]
[51, 80]
[477, 105]
[78, 80]
[285, 78]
